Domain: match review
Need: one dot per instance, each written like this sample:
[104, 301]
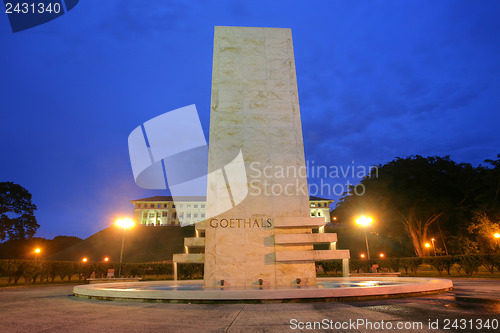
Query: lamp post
[433, 246]
[427, 246]
[497, 237]
[366, 221]
[37, 253]
[124, 224]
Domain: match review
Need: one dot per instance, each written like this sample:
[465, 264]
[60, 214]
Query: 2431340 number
[33, 8]
[464, 324]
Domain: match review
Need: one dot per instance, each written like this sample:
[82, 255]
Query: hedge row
[33, 271]
[47, 271]
[469, 264]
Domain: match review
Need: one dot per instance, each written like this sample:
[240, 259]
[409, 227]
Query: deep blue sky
[377, 79]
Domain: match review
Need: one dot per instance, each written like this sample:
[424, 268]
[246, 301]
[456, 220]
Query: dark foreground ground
[472, 303]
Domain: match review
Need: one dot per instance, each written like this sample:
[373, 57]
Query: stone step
[194, 258]
[299, 239]
[201, 225]
[298, 222]
[316, 255]
[194, 242]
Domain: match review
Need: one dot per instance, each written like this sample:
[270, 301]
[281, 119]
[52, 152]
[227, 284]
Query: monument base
[328, 289]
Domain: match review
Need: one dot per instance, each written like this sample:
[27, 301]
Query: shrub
[66, 269]
[101, 269]
[52, 268]
[159, 269]
[442, 263]
[386, 265]
[490, 261]
[394, 264]
[411, 264]
[469, 264]
[331, 266]
[357, 265]
[190, 271]
[31, 270]
[17, 270]
[10, 268]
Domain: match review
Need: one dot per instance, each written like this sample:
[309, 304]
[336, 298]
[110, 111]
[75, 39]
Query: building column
[333, 245]
[175, 271]
[345, 267]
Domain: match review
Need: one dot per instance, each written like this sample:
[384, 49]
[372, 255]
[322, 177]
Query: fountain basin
[327, 289]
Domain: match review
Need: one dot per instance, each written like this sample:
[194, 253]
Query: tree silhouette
[17, 219]
[413, 192]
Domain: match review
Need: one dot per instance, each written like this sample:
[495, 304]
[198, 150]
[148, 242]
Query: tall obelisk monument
[255, 116]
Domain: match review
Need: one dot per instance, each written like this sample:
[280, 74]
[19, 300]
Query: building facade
[162, 211]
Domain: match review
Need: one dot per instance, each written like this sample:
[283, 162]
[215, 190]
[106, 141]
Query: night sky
[377, 79]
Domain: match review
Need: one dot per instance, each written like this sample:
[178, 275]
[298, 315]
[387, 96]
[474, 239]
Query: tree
[489, 198]
[494, 177]
[17, 219]
[483, 229]
[415, 192]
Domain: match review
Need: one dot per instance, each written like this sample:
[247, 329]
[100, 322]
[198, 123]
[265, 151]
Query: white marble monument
[267, 238]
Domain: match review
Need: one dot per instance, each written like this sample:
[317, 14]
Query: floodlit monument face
[255, 114]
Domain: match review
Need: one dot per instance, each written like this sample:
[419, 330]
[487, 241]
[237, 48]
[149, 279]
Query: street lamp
[124, 224]
[381, 255]
[37, 253]
[427, 246]
[366, 221]
[433, 246]
[497, 236]
[85, 260]
[106, 259]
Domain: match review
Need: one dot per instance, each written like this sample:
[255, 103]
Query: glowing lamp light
[364, 221]
[125, 223]
[84, 259]
[427, 245]
[37, 251]
[381, 255]
[497, 235]
[106, 259]
[362, 255]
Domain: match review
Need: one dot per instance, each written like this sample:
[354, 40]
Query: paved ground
[54, 309]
